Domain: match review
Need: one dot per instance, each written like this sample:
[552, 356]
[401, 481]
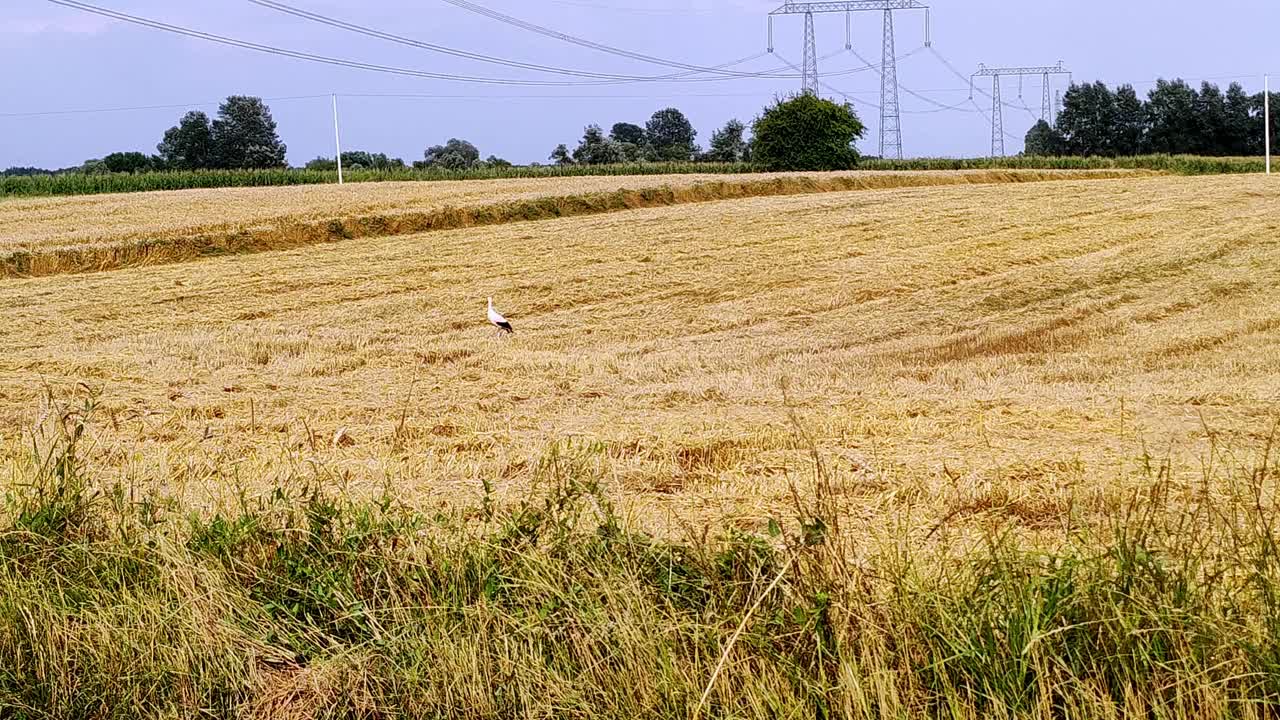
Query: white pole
[1266, 117]
[337, 139]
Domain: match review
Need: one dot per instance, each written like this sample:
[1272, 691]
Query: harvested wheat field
[48, 236]
[981, 354]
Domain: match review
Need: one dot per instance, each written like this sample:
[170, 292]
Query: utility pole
[890, 114]
[1266, 117]
[997, 115]
[337, 139]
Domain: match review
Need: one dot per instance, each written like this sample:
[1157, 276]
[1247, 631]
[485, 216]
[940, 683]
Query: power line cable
[913, 93]
[373, 67]
[1032, 113]
[987, 117]
[646, 96]
[964, 78]
[852, 95]
[481, 57]
[828, 88]
[342, 62]
[370, 32]
[601, 47]
[979, 89]
[575, 40]
[629, 9]
[283, 52]
[173, 106]
[373, 95]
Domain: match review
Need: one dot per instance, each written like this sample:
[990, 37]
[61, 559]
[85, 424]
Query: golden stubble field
[111, 219]
[981, 355]
[56, 236]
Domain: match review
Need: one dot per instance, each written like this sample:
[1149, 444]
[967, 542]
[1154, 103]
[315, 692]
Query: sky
[60, 59]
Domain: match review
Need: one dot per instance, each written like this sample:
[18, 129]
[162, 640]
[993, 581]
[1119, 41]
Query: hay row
[290, 232]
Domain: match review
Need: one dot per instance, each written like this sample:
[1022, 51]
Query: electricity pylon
[809, 78]
[997, 107]
[890, 114]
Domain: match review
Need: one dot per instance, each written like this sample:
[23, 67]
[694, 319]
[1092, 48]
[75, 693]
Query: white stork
[496, 319]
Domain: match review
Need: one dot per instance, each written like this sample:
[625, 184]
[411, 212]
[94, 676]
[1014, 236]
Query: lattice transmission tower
[890, 112]
[1048, 112]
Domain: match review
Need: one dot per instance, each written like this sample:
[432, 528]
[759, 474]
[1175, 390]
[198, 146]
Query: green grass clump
[302, 603]
[88, 184]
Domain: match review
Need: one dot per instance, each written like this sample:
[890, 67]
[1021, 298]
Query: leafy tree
[127, 162]
[1130, 136]
[189, 144]
[669, 136]
[630, 139]
[1173, 127]
[727, 143]
[1258, 142]
[24, 171]
[1175, 119]
[632, 152]
[357, 160]
[596, 149]
[93, 166]
[371, 161]
[361, 160]
[1210, 117]
[806, 132]
[453, 155]
[627, 133]
[1088, 120]
[244, 135]
[561, 155]
[1044, 140]
[494, 161]
[1237, 132]
[322, 163]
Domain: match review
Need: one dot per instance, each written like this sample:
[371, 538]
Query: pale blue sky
[57, 58]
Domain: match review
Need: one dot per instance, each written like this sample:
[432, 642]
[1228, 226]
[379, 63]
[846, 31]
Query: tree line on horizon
[1174, 119]
[667, 136]
[243, 136]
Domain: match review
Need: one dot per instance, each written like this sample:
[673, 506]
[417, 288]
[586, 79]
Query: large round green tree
[244, 135]
[806, 132]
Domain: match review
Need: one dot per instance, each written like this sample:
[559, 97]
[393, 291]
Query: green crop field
[82, 184]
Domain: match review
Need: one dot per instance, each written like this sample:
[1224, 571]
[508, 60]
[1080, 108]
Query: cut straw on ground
[57, 236]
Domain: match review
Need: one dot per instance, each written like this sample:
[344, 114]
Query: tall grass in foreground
[87, 184]
[305, 604]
